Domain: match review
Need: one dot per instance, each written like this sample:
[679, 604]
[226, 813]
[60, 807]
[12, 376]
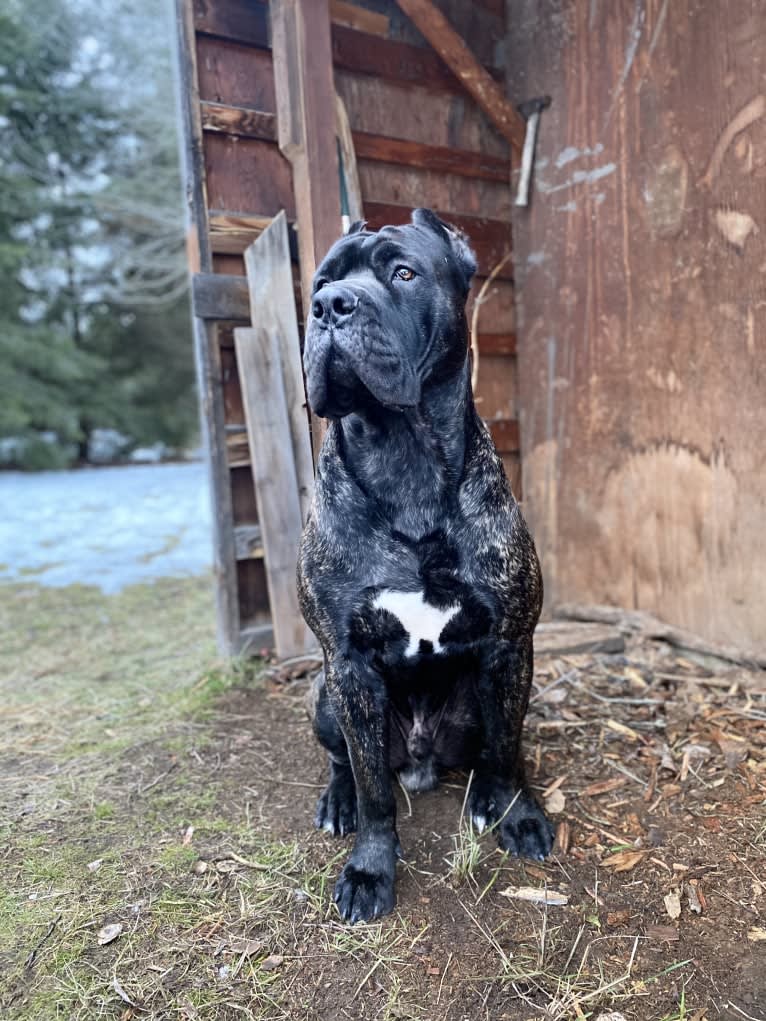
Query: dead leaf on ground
[613, 1015]
[535, 894]
[94, 866]
[756, 934]
[555, 802]
[109, 933]
[272, 962]
[246, 947]
[624, 861]
[188, 836]
[673, 904]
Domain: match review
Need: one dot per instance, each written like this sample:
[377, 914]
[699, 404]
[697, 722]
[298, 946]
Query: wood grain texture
[641, 356]
[258, 124]
[466, 68]
[206, 351]
[235, 74]
[247, 176]
[354, 16]
[270, 284]
[306, 122]
[273, 466]
[413, 112]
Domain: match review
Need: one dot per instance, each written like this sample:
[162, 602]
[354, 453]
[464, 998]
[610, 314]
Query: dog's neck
[410, 463]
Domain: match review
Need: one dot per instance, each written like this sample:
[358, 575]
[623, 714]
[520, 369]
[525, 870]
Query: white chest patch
[418, 618]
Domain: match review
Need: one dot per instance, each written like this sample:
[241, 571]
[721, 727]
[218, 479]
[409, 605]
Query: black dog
[417, 573]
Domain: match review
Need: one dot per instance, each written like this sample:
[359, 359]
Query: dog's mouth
[347, 370]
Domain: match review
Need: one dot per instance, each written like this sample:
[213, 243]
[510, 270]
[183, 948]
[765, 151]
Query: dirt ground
[157, 858]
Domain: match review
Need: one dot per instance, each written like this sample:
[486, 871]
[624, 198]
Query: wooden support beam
[305, 92]
[206, 351]
[247, 123]
[353, 16]
[432, 24]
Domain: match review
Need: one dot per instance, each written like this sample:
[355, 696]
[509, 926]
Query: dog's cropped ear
[356, 227]
[456, 238]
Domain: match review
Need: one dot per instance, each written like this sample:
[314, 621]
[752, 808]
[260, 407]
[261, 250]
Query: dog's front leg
[365, 888]
[499, 795]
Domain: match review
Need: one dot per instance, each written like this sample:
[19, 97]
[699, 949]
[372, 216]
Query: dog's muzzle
[350, 359]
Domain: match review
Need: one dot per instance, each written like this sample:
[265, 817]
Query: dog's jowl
[417, 573]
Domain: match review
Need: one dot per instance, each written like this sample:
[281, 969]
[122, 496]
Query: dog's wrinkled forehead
[427, 246]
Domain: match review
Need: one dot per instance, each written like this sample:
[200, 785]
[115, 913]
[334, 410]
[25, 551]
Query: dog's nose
[333, 304]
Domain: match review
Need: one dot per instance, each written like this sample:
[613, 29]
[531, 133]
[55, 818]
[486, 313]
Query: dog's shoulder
[503, 546]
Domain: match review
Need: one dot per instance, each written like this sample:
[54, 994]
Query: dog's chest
[423, 624]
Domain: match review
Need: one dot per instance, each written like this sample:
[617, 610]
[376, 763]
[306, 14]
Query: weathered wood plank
[276, 487]
[246, 21]
[270, 284]
[497, 343]
[218, 296]
[258, 124]
[559, 638]
[505, 435]
[359, 18]
[248, 542]
[642, 368]
[303, 77]
[432, 157]
[206, 352]
[239, 120]
[395, 61]
[247, 175]
[474, 78]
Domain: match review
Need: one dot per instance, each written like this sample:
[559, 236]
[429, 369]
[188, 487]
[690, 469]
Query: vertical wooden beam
[305, 92]
[206, 349]
[272, 304]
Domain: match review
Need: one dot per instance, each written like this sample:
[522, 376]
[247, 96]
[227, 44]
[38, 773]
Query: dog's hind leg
[499, 795]
[336, 808]
[359, 700]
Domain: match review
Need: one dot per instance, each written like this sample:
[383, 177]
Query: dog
[416, 572]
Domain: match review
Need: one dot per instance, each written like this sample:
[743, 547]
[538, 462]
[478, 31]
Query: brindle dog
[417, 573]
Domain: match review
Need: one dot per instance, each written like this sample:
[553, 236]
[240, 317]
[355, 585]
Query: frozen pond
[109, 527]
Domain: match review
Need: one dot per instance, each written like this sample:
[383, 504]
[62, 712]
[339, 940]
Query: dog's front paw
[522, 826]
[525, 830]
[336, 808]
[365, 888]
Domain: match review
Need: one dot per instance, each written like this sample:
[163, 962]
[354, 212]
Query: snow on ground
[109, 527]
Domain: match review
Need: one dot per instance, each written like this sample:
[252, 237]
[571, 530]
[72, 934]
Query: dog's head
[387, 315]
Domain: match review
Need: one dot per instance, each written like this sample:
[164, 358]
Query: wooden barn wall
[419, 139]
[642, 307]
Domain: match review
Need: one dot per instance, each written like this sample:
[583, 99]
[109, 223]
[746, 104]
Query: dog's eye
[404, 273]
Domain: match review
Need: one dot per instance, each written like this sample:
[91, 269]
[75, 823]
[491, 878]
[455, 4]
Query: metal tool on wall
[530, 111]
